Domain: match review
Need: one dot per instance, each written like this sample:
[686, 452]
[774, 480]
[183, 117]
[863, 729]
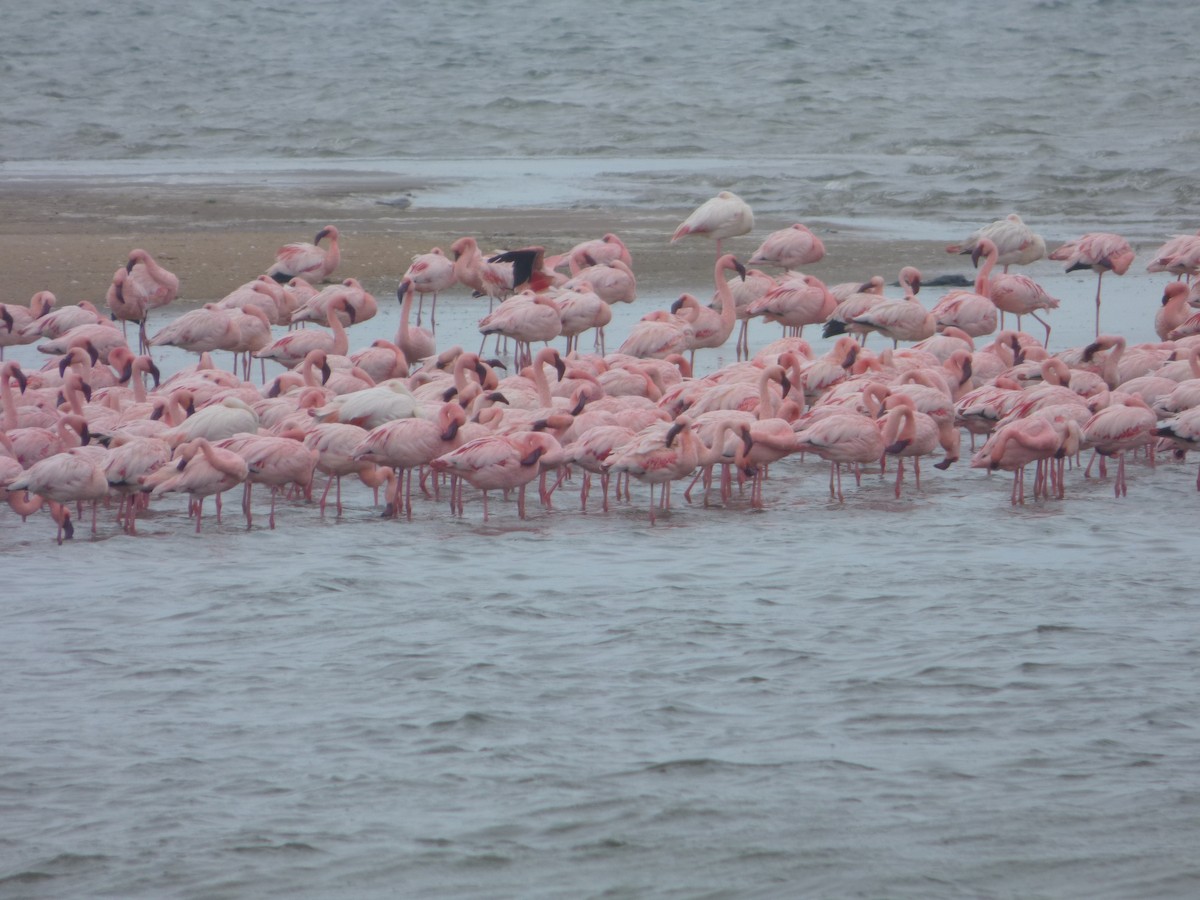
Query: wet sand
[68, 236]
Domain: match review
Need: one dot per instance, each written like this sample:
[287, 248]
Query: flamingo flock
[97, 433]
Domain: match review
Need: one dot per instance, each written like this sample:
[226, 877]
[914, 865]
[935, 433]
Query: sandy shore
[69, 237]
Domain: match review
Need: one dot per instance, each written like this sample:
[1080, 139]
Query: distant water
[1077, 111]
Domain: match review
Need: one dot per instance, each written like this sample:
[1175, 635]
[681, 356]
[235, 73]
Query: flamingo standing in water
[846, 438]
[1017, 443]
[1016, 242]
[202, 470]
[1121, 426]
[74, 475]
[500, 462]
[725, 215]
[660, 454]
[146, 285]
[710, 328]
[789, 248]
[430, 273]
[16, 320]
[407, 444]
[311, 262]
[414, 341]
[1100, 251]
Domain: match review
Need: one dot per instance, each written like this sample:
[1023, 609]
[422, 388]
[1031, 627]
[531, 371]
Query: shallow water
[937, 696]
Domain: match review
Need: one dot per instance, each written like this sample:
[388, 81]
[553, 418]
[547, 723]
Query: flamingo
[710, 328]
[430, 273]
[1100, 251]
[311, 262]
[291, 349]
[789, 248]
[846, 438]
[1013, 445]
[601, 251]
[868, 295]
[146, 285]
[1180, 256]
[274, 460]
[493, 280]
[500, 462]
[1016, 242]
[725, 215]
[201, 470]
[16, 321]
[581, 308]
[797, 300]
[660, 454]
[525, 317]
[972, 312]
[72, 476]
[407, 444]
[614, 282]
[528, 268]
[1120, 426]
[1174, 311]
[908, 433]
[414, 341]
[57, 321]
[360, 307]
[335, 443]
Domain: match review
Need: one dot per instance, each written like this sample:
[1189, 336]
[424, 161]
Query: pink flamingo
[614, 282]
[580, 308]
[725, 215]
[275, 301]
[849, 438]
[1180, 256]
[1182, 430]
[335, 444]
[789, 248]
[202, 470]
[971, 311]
[1017, 443]
[72, 476]
[407, 444]
[660, 454]
[525, 317]
[493, 280]
[273, 460]
[1099, 251]
[601, 251]
[1174, 310]
[414, 341]
[199, 331]
[866, 297]
[131, 458]
[57, 321]
[500, 462]
[311, 262]
[591, 452]
[712, 328]
[1016, 242]
[430, 273]
[291, 349]
[1120, 426]
[797, 300]
[360, 307]
[16, 321]
[907, 433]
[146, 286]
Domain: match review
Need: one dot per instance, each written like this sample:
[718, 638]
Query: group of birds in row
[639, 413]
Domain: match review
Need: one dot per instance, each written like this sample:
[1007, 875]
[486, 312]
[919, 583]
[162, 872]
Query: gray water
[1076, 112]
[937, 696]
